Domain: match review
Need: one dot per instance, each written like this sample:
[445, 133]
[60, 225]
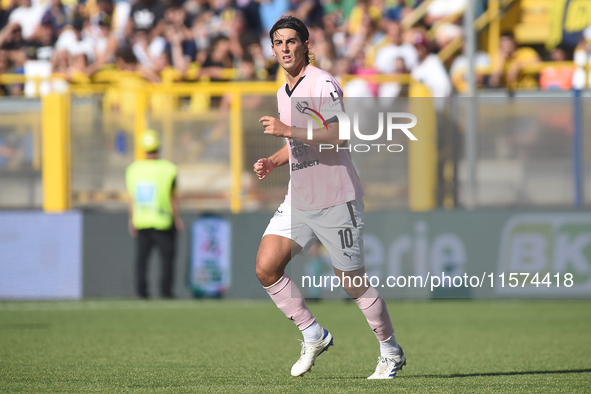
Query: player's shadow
[467, 375]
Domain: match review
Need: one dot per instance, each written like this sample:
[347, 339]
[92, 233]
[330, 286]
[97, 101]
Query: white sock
[389, 348]
[313, 332]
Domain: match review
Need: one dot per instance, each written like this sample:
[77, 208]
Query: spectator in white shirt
[459, 70]
[71, 44]
[28, 17]
[388, 91]
[439, 9]
[430, 69]
[386, 57]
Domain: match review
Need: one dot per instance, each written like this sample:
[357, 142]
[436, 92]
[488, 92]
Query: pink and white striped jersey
[319, 179]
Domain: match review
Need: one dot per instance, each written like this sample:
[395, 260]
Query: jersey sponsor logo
[298, 149]
[305, 164]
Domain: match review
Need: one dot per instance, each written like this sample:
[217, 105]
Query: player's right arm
[263, 167]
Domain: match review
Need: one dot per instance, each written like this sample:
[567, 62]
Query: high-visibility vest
[150, 183]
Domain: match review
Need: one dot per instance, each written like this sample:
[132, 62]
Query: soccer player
[324, 202]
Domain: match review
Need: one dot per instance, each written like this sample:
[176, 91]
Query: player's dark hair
[289, 22]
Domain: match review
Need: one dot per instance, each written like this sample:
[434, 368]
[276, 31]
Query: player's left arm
[274, 126]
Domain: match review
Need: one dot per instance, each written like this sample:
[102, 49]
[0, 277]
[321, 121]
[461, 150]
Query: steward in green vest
[153, 212]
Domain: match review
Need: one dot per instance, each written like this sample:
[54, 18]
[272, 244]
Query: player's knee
[266, 278]
[262, 272]
[355, 291]
[259, 271]
[266, 275]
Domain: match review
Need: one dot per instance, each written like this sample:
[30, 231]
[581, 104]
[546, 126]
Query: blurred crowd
[359, 37]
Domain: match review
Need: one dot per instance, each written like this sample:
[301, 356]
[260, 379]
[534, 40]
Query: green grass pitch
[249, 347]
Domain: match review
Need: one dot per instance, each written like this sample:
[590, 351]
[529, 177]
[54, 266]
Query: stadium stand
[195, 68]
[196, 40]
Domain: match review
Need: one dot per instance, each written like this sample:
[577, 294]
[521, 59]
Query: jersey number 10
[346, 238]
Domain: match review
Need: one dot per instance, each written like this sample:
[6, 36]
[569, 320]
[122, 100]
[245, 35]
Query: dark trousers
[165, 242]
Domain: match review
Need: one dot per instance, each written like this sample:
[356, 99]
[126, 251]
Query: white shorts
[339, 228]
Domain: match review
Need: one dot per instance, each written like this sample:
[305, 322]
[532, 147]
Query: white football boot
[387, 367]
[311, 350]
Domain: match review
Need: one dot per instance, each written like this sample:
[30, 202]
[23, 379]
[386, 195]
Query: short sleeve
[329, 94]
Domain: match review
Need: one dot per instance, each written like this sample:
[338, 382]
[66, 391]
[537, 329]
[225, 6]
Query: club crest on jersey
[304, 108]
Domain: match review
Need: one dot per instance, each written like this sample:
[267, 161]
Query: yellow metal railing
[452, 47]
[109, 75]
[423, 153]
[491, 18]
[431, 33]
[534, 68]
[416, 15]
[55, 129]
[236, 90]
[494, 31]
[56, 152]
[528, 69]
[491, 14]
[405, 79]
[56, 132]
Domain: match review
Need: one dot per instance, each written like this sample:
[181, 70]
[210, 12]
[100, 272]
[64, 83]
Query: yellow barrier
[416, 15]
[236, 89]
[56, 134]
[236, 151]
[422, 155]
[380, 78]
[494, 31]
[491, 17]
[140, 121]
[56, 152]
